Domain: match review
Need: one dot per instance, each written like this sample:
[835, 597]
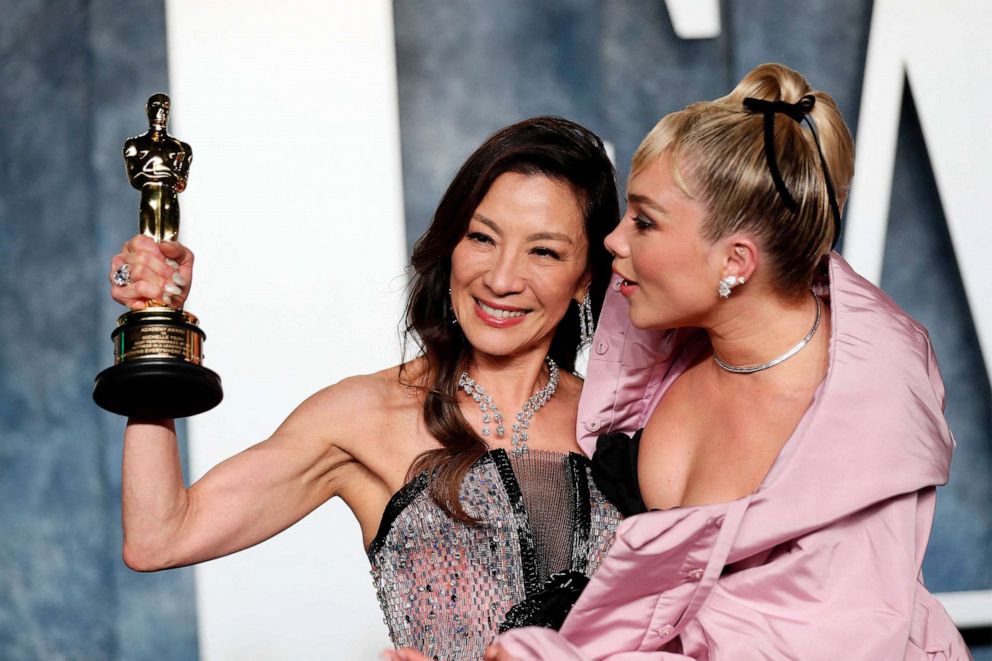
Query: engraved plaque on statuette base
[157, 373]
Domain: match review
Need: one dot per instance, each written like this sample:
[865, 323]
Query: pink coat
[823, 560]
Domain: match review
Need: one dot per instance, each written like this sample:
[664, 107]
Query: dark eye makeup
[642, 222]
[479, 237]
[543, 251]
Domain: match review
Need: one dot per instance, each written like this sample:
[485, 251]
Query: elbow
[143, 557]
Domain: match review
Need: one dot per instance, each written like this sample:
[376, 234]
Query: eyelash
[642, 224]
[540, 251]
[479, 237]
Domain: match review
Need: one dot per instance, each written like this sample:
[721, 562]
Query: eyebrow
[646, 201]
[537, 236]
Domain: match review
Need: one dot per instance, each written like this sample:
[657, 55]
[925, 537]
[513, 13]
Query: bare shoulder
[360, 408]
[364, 396]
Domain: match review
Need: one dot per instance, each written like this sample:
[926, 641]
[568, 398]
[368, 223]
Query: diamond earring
[586, 323]
[727, 283]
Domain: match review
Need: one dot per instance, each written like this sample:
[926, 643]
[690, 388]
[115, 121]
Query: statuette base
[157, 389]
[158, 371]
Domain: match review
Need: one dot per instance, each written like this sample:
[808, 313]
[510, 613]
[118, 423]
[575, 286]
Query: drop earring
[586, 323]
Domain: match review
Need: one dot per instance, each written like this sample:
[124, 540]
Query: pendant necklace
[751, 369]
[491, 414]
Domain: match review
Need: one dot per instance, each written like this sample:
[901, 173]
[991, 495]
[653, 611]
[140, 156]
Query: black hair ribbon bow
[798, 111]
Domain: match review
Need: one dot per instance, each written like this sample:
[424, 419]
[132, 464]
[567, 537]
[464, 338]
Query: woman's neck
[755, 329]
[511, 380]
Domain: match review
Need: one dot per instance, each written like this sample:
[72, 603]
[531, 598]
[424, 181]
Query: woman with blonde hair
[771, 422]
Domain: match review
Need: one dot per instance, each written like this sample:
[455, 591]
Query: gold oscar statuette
[158, 367]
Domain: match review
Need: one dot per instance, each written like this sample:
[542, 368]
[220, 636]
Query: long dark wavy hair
[547, 146]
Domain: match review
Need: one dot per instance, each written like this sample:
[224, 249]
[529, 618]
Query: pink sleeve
[535, 643]
[848, 589]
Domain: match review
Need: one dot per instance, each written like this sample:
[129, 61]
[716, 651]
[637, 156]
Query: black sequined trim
[528, 546]
[583, 512]
[397, 503]
[549, 607]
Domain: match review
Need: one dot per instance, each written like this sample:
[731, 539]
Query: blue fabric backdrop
[74, 77]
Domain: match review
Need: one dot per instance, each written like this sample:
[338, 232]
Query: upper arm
[317, 439]
[268, 487]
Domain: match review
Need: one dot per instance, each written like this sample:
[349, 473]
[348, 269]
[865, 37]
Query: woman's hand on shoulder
[146, 271]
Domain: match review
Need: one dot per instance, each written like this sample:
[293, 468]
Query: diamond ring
[122, 275]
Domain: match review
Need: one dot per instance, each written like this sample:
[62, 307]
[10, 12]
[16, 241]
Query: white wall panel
[294, 211]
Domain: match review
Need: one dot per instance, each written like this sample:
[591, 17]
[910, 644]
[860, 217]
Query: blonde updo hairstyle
[717, 152]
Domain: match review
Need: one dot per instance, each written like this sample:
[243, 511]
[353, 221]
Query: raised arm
[245, 499]
[239, 503]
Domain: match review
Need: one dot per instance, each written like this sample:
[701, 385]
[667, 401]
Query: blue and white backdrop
[324, 133]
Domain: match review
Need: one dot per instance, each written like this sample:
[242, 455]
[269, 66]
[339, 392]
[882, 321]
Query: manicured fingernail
[173, 263]
[167, 299]
[178, 279]
[172, 289]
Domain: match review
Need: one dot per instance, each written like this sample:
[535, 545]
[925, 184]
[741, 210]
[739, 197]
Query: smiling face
[671, 270]
[521, 261]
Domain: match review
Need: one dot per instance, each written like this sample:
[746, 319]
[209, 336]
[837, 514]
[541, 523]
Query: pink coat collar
[875, 428]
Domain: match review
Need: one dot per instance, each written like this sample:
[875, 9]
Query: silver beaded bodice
[445, 586]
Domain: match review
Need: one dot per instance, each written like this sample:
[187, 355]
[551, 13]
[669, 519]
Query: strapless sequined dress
[446, 587]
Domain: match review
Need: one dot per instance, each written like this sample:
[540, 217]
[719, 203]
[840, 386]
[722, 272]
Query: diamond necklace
[491, 414]
[751, 369]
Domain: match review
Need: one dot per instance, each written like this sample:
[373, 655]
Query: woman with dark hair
[770, 421]
[471, 515]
